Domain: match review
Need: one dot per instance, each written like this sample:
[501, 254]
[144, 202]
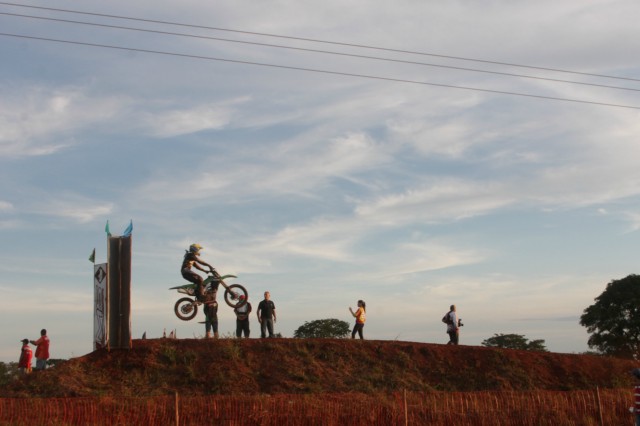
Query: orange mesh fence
[413, 408]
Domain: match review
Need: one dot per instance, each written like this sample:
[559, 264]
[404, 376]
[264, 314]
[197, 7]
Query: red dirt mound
[272, 366]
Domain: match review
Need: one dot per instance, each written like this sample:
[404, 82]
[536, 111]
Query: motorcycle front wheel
[186, 309]
[232, 295]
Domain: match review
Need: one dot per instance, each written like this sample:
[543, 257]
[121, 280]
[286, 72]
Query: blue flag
[127, 232]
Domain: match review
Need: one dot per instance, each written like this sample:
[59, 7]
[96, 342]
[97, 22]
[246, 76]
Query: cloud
[38, 121]
[301, 167]
[634, 220]
[442, 200]
[71, 206]
[51, 301]
[324, 238]
[175, 121]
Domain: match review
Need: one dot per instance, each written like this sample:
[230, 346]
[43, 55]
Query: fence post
[177, 411]
[406, 414]
[599, 406]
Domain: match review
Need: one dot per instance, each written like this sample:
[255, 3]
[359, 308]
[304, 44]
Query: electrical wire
[321, 41]
[320, 51]
[130, 49]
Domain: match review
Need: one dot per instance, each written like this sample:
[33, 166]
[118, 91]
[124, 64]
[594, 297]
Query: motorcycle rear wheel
[232, 295]
[186, 309]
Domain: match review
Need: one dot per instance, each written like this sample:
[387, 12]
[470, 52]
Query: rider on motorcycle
[191, 259]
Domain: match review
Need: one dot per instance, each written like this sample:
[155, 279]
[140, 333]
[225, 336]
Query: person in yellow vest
[361, 316]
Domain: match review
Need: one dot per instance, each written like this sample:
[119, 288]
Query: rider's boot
[200, 293]
[215, 335]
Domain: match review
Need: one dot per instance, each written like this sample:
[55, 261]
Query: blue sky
[322, 187]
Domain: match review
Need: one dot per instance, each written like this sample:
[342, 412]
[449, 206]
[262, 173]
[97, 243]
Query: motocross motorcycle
[186, 308]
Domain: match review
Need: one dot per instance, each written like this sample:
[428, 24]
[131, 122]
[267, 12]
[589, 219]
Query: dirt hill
[272, 366]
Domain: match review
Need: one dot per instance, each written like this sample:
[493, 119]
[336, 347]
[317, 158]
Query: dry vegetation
[310, 366]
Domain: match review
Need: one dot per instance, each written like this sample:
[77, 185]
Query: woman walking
[360, 316]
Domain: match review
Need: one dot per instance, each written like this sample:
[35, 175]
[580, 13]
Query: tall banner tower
[119, 292]
[112, 294]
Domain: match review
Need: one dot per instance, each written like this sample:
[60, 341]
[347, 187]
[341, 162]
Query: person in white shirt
[453, 326]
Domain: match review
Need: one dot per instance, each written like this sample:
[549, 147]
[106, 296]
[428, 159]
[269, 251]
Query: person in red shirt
[636, 396]
[42, 350]
[24, 364]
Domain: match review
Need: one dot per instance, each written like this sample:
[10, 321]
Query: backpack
[447, 318]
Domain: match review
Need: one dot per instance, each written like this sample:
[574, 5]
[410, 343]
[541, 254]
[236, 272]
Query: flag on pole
[92, 258]
[129, 230]
[106, 229]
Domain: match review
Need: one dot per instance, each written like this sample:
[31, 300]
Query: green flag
[92, 258]
[107, 230]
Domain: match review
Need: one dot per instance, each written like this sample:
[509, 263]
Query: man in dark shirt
[242, 318]
[266, 315]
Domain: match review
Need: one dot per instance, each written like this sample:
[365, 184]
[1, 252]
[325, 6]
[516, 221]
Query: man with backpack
[453, 325]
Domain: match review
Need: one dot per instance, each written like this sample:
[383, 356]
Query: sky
[412, 154]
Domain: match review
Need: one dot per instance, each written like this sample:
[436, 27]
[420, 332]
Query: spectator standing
[242, 318]
[266, 315]
[211, 318]
[361, 316]
[24, 364]
[453, 326]
[636, 395]
[42, 350]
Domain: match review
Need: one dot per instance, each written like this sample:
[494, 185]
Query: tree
[514, 341]
[325, 328]
[614, 320]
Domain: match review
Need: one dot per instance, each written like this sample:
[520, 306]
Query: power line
[318, 71]
[320, 51]
[322, 41]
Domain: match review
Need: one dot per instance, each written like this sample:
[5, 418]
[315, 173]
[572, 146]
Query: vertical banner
[99, 306]
[119, 292]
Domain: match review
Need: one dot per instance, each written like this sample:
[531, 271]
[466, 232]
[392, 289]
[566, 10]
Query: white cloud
[634, 220]
[181, 121]
[297, 166]
[49, 300]
[73, 207]
[445, 200]
[5, 206]
[39, 121]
